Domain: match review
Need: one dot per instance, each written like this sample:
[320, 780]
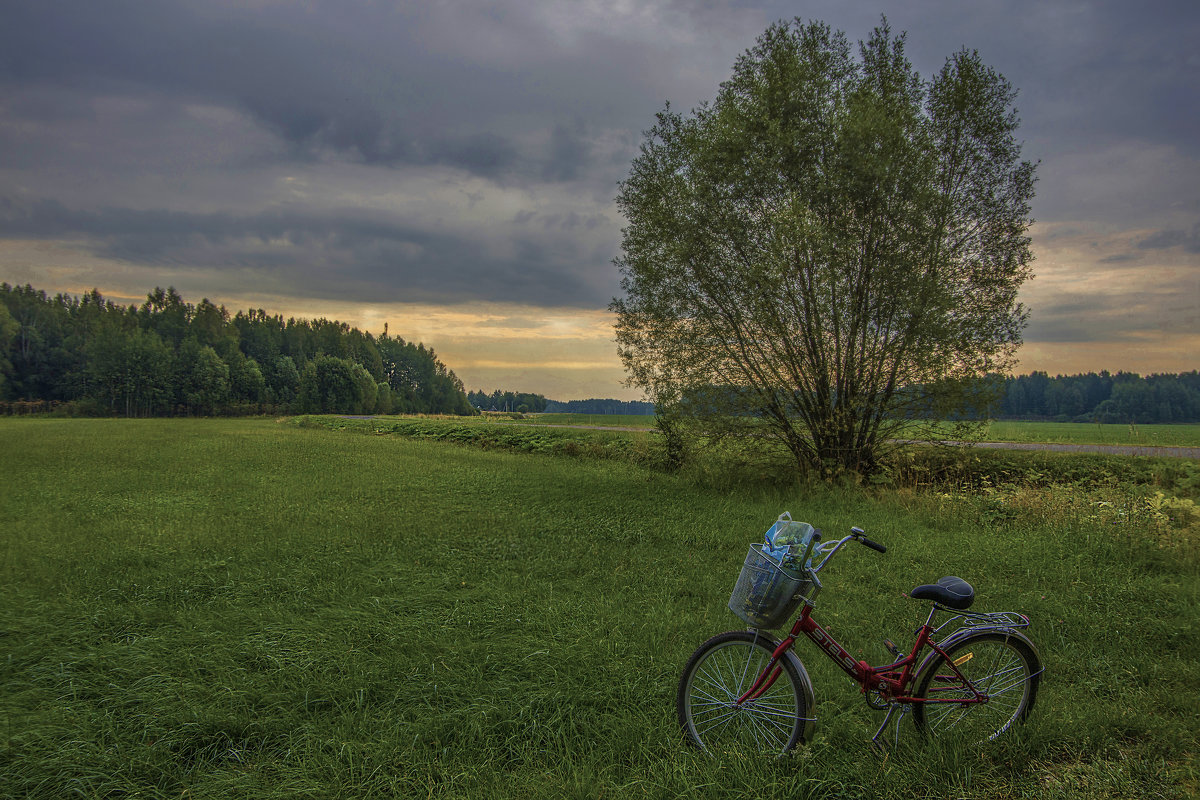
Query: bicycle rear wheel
[1001, 667]
[722, 670]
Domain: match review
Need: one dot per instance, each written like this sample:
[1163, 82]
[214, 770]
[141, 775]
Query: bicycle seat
[949, 591]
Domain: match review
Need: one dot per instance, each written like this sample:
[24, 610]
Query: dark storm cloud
[298, 83]
[538, 98]
[1135, 72]
[346, 253]
[1189, 241]
[483, 154]
[359, 80]
[1095, 318]
[1119, 258]
[387, 82]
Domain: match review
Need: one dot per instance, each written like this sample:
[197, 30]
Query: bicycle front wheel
[722, 670]
[1003, 668]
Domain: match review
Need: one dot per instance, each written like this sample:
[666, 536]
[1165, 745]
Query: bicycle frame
[891, 681]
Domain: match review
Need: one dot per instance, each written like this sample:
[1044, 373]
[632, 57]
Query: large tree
[830, 249]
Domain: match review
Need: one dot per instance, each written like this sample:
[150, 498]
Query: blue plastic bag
[787, 540]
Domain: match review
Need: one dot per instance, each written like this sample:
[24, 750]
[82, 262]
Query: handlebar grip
[873, 545]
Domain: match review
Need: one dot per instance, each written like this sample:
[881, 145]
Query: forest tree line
[1124, 397]
[89, 355]
[519, 402]
[600, 406]
[528, 403]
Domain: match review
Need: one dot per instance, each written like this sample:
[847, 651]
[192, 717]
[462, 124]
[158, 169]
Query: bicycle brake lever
[860, 535]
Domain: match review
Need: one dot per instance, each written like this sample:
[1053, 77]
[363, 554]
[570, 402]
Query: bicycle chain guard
[875, 700]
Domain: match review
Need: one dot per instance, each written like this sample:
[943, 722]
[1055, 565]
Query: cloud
[1095, 284]
[1166, 239]
[380, 83]
[470, 151]
[344, 254]
[568, 154]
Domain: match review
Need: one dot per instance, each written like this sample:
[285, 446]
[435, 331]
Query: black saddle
[950, 592]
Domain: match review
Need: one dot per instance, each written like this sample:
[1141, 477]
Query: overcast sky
[450, 167]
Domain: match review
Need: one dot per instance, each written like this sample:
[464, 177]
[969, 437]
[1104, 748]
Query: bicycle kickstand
[877, 741]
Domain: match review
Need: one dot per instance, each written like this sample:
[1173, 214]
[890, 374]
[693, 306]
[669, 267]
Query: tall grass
[596, 420]
[247, 609]
[1087, 433]
[1183, 435]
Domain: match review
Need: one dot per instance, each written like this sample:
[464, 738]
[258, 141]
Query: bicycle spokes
[979, 688]
[732, 696]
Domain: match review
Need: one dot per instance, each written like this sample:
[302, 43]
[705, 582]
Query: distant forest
[1123, 398]
[89, 355]
[526, 403]
[596, 406]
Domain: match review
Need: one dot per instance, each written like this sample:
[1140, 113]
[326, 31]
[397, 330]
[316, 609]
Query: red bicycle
[973, 676]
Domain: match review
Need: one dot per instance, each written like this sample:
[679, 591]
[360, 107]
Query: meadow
[1184, 435]
[599, 420]
[251, 608]
[1087, 433]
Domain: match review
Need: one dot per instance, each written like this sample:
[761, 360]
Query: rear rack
[985, 621]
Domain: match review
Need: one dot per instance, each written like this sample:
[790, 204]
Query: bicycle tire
[1001, 666]
[720, 671]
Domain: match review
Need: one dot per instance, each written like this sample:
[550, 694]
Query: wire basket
[766, 595]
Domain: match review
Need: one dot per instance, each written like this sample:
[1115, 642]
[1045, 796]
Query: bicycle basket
[765, 595]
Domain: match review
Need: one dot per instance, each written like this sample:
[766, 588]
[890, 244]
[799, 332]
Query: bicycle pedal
[891, 648]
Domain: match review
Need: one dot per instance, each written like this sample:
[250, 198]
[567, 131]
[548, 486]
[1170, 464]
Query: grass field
[599, 420]
[204, 608]
[996, 431]
[1083, 433]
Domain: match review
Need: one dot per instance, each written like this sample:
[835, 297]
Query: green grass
[996, 431]
[766, 464]
[251, 609]
[1084, 433]
[599, 420]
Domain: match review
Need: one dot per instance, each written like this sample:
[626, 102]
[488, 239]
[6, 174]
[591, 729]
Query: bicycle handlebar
[873, 545]
[826, 551]
[860, 534]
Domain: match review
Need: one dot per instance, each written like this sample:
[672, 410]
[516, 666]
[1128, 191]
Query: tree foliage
[596, 405]
[536, 404]
[525, 402]
[8, 332]
[170, 357]
[1123, 397]
[830, 248]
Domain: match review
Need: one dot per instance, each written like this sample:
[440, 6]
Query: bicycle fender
[809, 699]
[966, 633]
[806, 686]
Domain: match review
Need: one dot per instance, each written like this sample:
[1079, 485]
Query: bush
[974, 468]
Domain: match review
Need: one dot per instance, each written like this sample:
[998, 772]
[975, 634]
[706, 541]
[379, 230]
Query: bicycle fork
[768, 675]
